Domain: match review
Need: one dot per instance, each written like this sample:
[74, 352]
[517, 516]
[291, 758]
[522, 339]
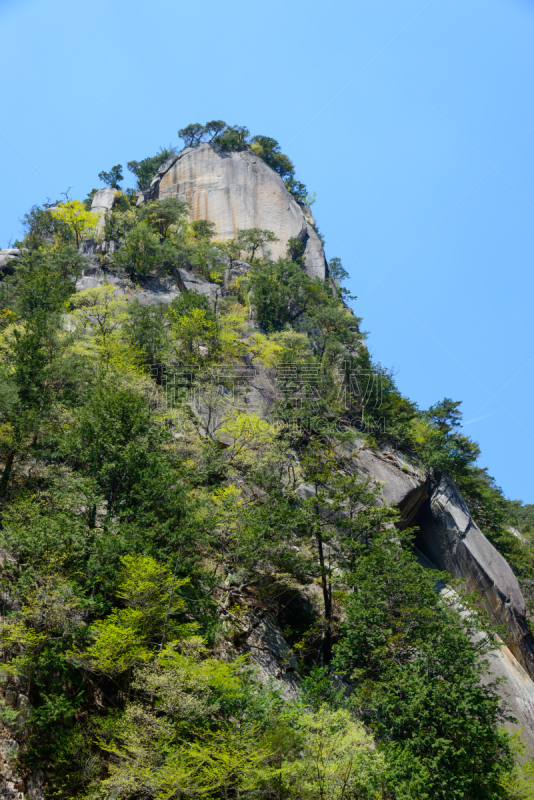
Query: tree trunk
[327, 641]
[6, 474]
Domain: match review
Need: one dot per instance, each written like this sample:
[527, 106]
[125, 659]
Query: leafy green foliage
[251, 240]
[141, 252]
[269, 150]
[281, 293]
[233, 138]
[148, 332]
[41, 227]
[112, 178]
[79, 221]
[130, 634]
[195, 134]
[418, 681]
[194, 327]
[145, 170]
[163, 215]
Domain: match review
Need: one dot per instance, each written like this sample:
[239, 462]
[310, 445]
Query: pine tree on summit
[113, 177]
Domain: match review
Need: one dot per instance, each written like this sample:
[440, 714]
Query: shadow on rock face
[449, 538]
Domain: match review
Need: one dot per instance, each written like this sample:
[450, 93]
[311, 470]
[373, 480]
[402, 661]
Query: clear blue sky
[412, 120]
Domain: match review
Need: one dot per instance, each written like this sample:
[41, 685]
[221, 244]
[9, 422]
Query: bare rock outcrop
[403, 484]
[189, 281]
[103, 202]
[238, 190]
[273, 656]
[8, 261]
[450, 539]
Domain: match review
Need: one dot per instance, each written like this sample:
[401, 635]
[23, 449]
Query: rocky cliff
[450, 539]
[237, 190]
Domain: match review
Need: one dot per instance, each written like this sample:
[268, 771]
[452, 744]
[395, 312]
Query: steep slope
[201, 479]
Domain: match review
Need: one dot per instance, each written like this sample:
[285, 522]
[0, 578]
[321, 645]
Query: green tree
[147, 331]
[295, 250]
[41, 228]
[435, 436]
[145, 170]
[269, 150]
[141, 252]
[250, 240]
[132, 633]
[280, 293]
[35, 371]
[112, 178]
[163, 215]
[114, 439]
[338, 760]
[299, 191]
[79, 221]
[120, 222]
[99, 313]
[417, 675]
[336, 330]
[194, 328]
[195, 134]
[233, 138]
[203, 229]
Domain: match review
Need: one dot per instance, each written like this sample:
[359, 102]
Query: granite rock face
[516, 690]
[152, 291]
[8, 260]
[102, 204]
[272, 654]
[238, 190]
[402, 483]
[449, 538]
[192, 282]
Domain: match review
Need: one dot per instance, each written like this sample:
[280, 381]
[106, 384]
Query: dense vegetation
[146, 534]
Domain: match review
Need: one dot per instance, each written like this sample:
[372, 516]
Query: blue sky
[412, 120]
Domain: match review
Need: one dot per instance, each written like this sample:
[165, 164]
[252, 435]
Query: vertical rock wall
[237, 190]
[102, 204]
[451, 540]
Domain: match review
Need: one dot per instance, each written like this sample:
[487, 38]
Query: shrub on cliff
[145, 170]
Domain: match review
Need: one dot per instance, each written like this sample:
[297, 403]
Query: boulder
[449, 538]
[238, 270]
[103, 202]
[305, 491]
[403, 484]
[240, 266]
[273, 656]
[238, 190]
[192, 282]
[93, 277]
[8, 260]
[156, 292]
[153, 291]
